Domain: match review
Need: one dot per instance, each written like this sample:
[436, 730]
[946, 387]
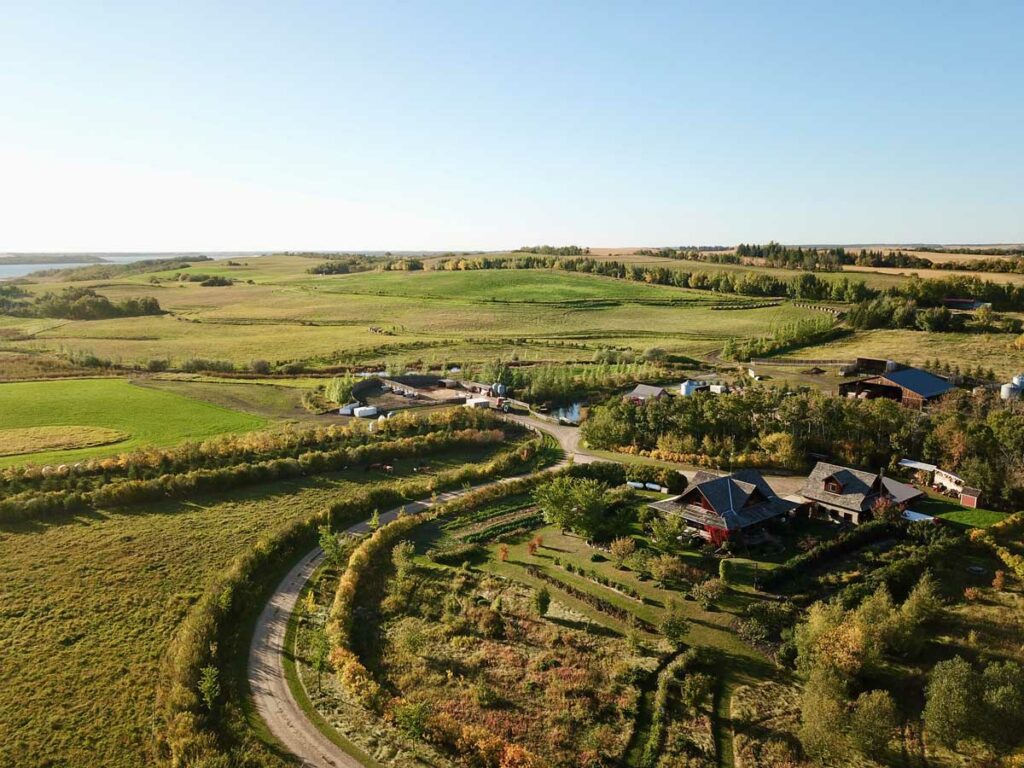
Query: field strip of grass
[147, 416]
[19, 440]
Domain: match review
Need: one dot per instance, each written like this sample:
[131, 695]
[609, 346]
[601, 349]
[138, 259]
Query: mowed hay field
[146, 417]
[288, 314]
[995, 351]
[88, 606]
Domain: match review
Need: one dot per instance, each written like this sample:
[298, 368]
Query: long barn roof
[919, 382]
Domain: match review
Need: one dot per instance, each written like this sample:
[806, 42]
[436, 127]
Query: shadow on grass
[584, 626]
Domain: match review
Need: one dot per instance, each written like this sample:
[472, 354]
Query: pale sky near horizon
[129, 126]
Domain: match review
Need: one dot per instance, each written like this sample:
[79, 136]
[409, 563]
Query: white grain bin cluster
[1013, 389]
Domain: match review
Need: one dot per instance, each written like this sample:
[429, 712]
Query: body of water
[570, 414]
[9, 271]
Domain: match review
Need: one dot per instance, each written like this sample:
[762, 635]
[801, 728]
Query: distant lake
[8, 271]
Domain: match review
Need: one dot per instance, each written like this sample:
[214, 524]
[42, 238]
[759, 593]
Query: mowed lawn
[148, 417]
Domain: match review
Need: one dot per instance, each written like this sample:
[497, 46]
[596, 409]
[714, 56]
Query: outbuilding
[911, 387]
[643, 392]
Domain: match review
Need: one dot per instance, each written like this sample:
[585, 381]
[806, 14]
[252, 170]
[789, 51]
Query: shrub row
[489, 534]
[668, 679]
[846, 542]
[486, 513]
[454, 553]
[598, 603]
[187, 733]
[129, 492]
[991, 536]
[597, 578]
[370, 555]
[236, 449]
[900, 575]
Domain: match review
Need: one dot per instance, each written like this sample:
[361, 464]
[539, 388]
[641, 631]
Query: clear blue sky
[435, 125]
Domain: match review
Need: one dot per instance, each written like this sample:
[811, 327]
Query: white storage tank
[1009, 391]
[365, 411]
[1018, 381]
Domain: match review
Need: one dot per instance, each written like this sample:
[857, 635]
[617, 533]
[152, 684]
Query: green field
[525, 286]
[421, 317]
[149, 417]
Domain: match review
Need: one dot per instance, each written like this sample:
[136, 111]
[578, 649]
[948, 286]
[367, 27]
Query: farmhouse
[723, 507]
[849, 494]
[911, 387]
[644, 392]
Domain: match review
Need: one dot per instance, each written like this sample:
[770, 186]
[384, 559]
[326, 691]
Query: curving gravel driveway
[267, 681]
[269, 686]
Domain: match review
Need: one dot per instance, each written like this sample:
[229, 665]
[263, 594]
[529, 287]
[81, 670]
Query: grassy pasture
[431, 318]
[267, 401]
[147, 416]
[517, 286]
[87, 608]
[993, 351]
[426, 316]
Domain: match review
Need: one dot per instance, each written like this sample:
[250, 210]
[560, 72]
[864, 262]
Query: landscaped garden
[448, 642]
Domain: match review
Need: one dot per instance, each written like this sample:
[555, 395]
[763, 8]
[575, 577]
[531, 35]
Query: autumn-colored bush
[32, 505]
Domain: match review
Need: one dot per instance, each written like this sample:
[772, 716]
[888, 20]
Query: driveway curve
[268, 683]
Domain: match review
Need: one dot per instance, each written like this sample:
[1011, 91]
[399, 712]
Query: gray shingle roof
[644, 391]
[858, 492]
[901, 493]
[728, 496]
[860, 489]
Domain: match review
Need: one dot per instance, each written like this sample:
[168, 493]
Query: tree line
[926, 293]
[54, 504]
[980, 438]
[73, 303]
[194, 728]
[227, 450]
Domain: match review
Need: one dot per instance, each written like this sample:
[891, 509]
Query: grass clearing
[20, 440]
[267, 401]
[947, 509]
[148, 417]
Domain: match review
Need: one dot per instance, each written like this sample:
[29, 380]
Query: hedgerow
[226, 450]
[128, 492]
[189, 733]
[669, 679]
[842, 544]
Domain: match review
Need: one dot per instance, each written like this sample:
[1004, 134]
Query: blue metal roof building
[911, 387]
